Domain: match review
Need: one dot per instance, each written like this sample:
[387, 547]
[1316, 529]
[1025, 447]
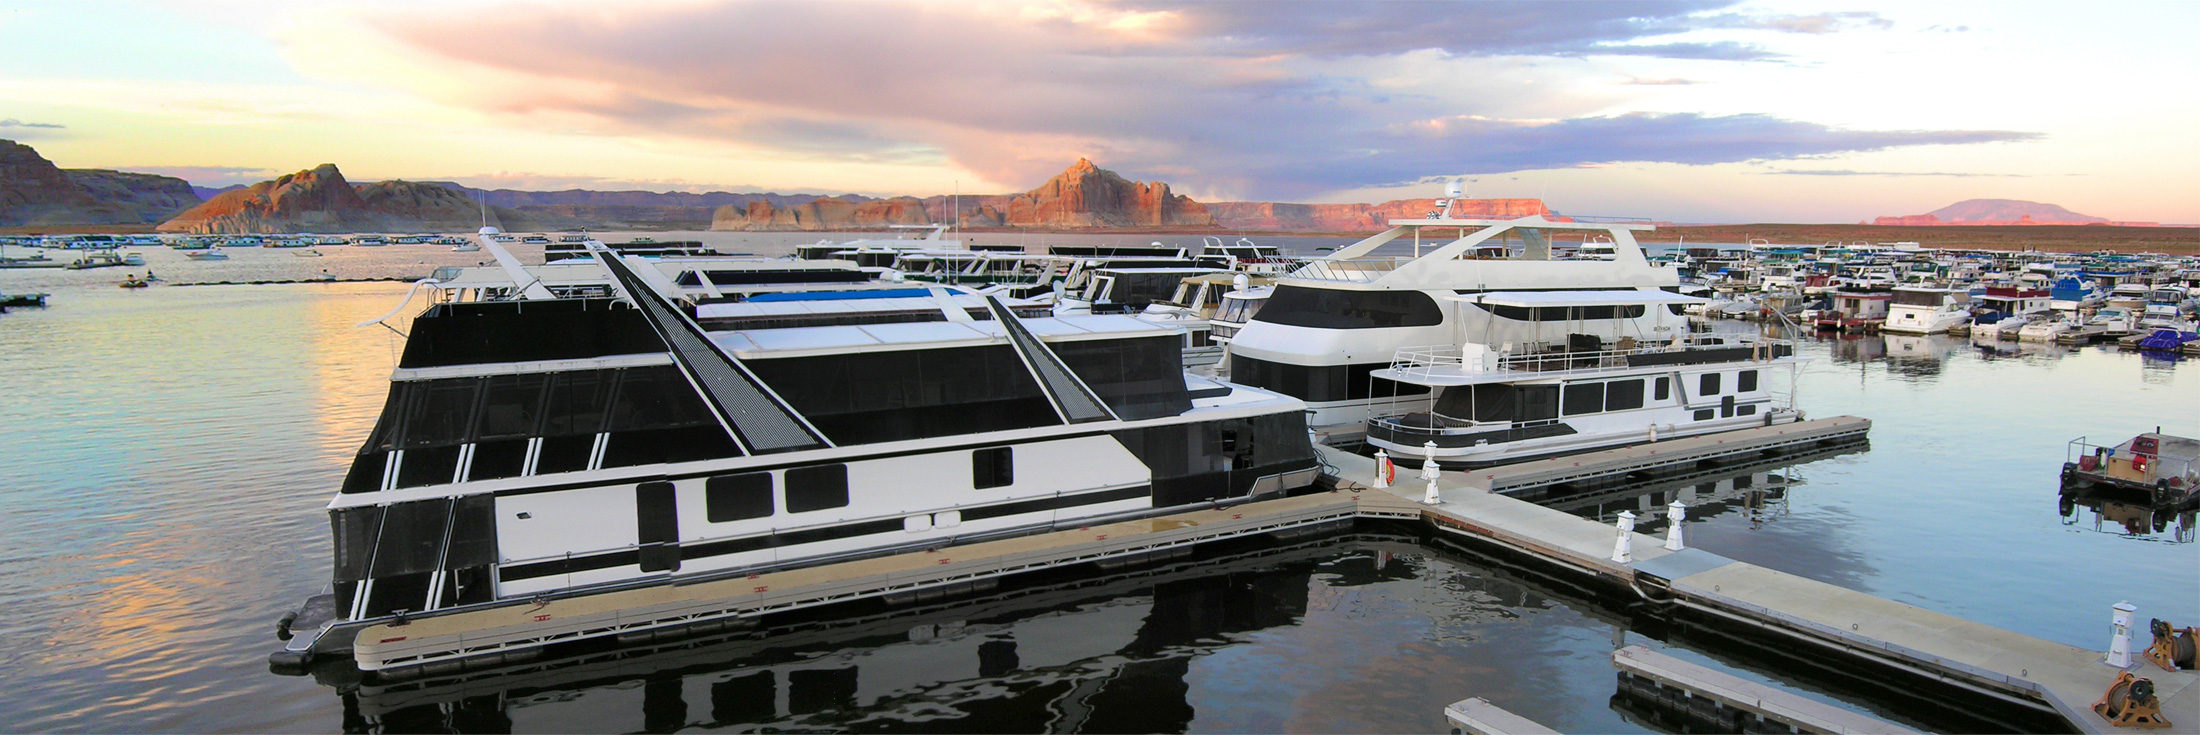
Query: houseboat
[543, 442]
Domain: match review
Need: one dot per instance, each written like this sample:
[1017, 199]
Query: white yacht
[547, 439]
[1350, 334]
[1918, 310]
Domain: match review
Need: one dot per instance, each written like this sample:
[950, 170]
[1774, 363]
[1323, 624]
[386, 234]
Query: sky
[1679, 110]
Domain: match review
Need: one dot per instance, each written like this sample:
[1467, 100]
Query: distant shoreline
[2052, 238]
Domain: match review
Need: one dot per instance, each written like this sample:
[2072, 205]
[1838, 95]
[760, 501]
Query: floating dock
[2046, 677]
[1478, 717]
[1716, 700]
[1996, 664]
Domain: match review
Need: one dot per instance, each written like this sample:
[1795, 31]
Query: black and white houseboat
[540, 443]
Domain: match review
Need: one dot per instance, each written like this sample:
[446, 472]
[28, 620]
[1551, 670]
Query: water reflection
[1090, 654]
[2127, 514]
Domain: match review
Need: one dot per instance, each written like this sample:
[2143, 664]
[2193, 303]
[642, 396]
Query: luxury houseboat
[1512, 327]
[563, 443]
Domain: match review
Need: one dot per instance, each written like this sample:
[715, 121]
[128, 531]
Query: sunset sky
[1682, 111]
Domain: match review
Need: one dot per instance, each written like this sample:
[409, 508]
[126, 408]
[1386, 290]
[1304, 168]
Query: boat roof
[804, 341]
[1576, 298]
[807, 307]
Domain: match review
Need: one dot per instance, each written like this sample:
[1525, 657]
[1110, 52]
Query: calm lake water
[166, 453]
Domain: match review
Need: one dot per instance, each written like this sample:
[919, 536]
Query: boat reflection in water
[1758, 488]
[2128, 514]
[1098, 652]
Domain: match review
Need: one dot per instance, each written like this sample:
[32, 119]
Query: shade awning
[1576, 298]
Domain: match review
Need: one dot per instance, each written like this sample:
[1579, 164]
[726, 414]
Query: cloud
[1635, 80]
[1843, 172]
[13, 128]
[213, 177]
[1252, 99]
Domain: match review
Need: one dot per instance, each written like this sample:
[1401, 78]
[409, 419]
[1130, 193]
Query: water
[166, 454]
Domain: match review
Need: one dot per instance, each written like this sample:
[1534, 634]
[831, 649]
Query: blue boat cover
[2164, 339]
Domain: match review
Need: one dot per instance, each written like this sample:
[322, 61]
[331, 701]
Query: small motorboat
[308, 253]
[207, 254]
[133, 282]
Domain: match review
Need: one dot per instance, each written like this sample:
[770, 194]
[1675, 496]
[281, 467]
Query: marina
[1828, 361]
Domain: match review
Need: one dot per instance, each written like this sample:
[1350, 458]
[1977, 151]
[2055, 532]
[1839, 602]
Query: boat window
[431, 466]
[1318, 383]
[1664, 389]
[1584, 398]
[411, 540]
[656, 398]
[1621, 395]
[513, 406]
[1565, 313]
[1138, 378]
[867, 397]
[994, 467]
[1745, 381]
[729, 498]
[1323, 308]
[1748, 410]
[817, 488]
[442, 412]
[1708, 384]
[1538, 403]
[577, 402]
[1704, 414]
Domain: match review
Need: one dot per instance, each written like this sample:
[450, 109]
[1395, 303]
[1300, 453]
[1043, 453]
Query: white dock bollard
[1430, 471]
[1674, 514]
[1383, 469]
[2119, 647]
[1622, 551]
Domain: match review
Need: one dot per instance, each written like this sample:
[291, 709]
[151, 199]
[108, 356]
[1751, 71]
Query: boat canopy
[1577, 298]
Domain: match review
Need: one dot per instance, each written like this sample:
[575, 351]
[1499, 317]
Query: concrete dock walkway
[2015, 667]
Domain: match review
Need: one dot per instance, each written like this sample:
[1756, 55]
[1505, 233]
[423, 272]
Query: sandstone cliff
[148, 198]
[320, 200]
[1283, 217]
[1090, 196]
[824, 213]
[35, 192]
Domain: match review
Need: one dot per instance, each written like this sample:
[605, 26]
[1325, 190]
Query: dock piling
[1674, 514]
[1622, 550]
[1383, 469]
[1431, 472]
[2119, 647]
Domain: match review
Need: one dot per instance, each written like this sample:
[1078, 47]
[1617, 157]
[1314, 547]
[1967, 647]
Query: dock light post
[2119, 647]
[1383, 469]
[1674, 514]
[1622, 552]
[1430, 471]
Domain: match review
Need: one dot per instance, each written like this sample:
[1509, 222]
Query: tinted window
[1708, 385]
[1746, 381]
[443, 414]
[1749, 410]
[1620, 395]
[513, 406]
[1322, 383]
[577, 402]
[817, 488]
[1538, 402]
[1703, 414]
[995, 467]
[1665, 386]
[866, 397]
[737, 497]
[1584, 398]
[1564, 313]
[1323, 308]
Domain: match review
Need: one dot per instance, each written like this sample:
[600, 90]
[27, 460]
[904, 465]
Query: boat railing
[1429, 362]
[1355, 270]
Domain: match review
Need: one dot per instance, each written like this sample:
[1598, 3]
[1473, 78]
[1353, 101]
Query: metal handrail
[1425, 360]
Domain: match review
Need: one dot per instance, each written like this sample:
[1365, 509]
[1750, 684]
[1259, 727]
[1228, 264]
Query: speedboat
[207, 254]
